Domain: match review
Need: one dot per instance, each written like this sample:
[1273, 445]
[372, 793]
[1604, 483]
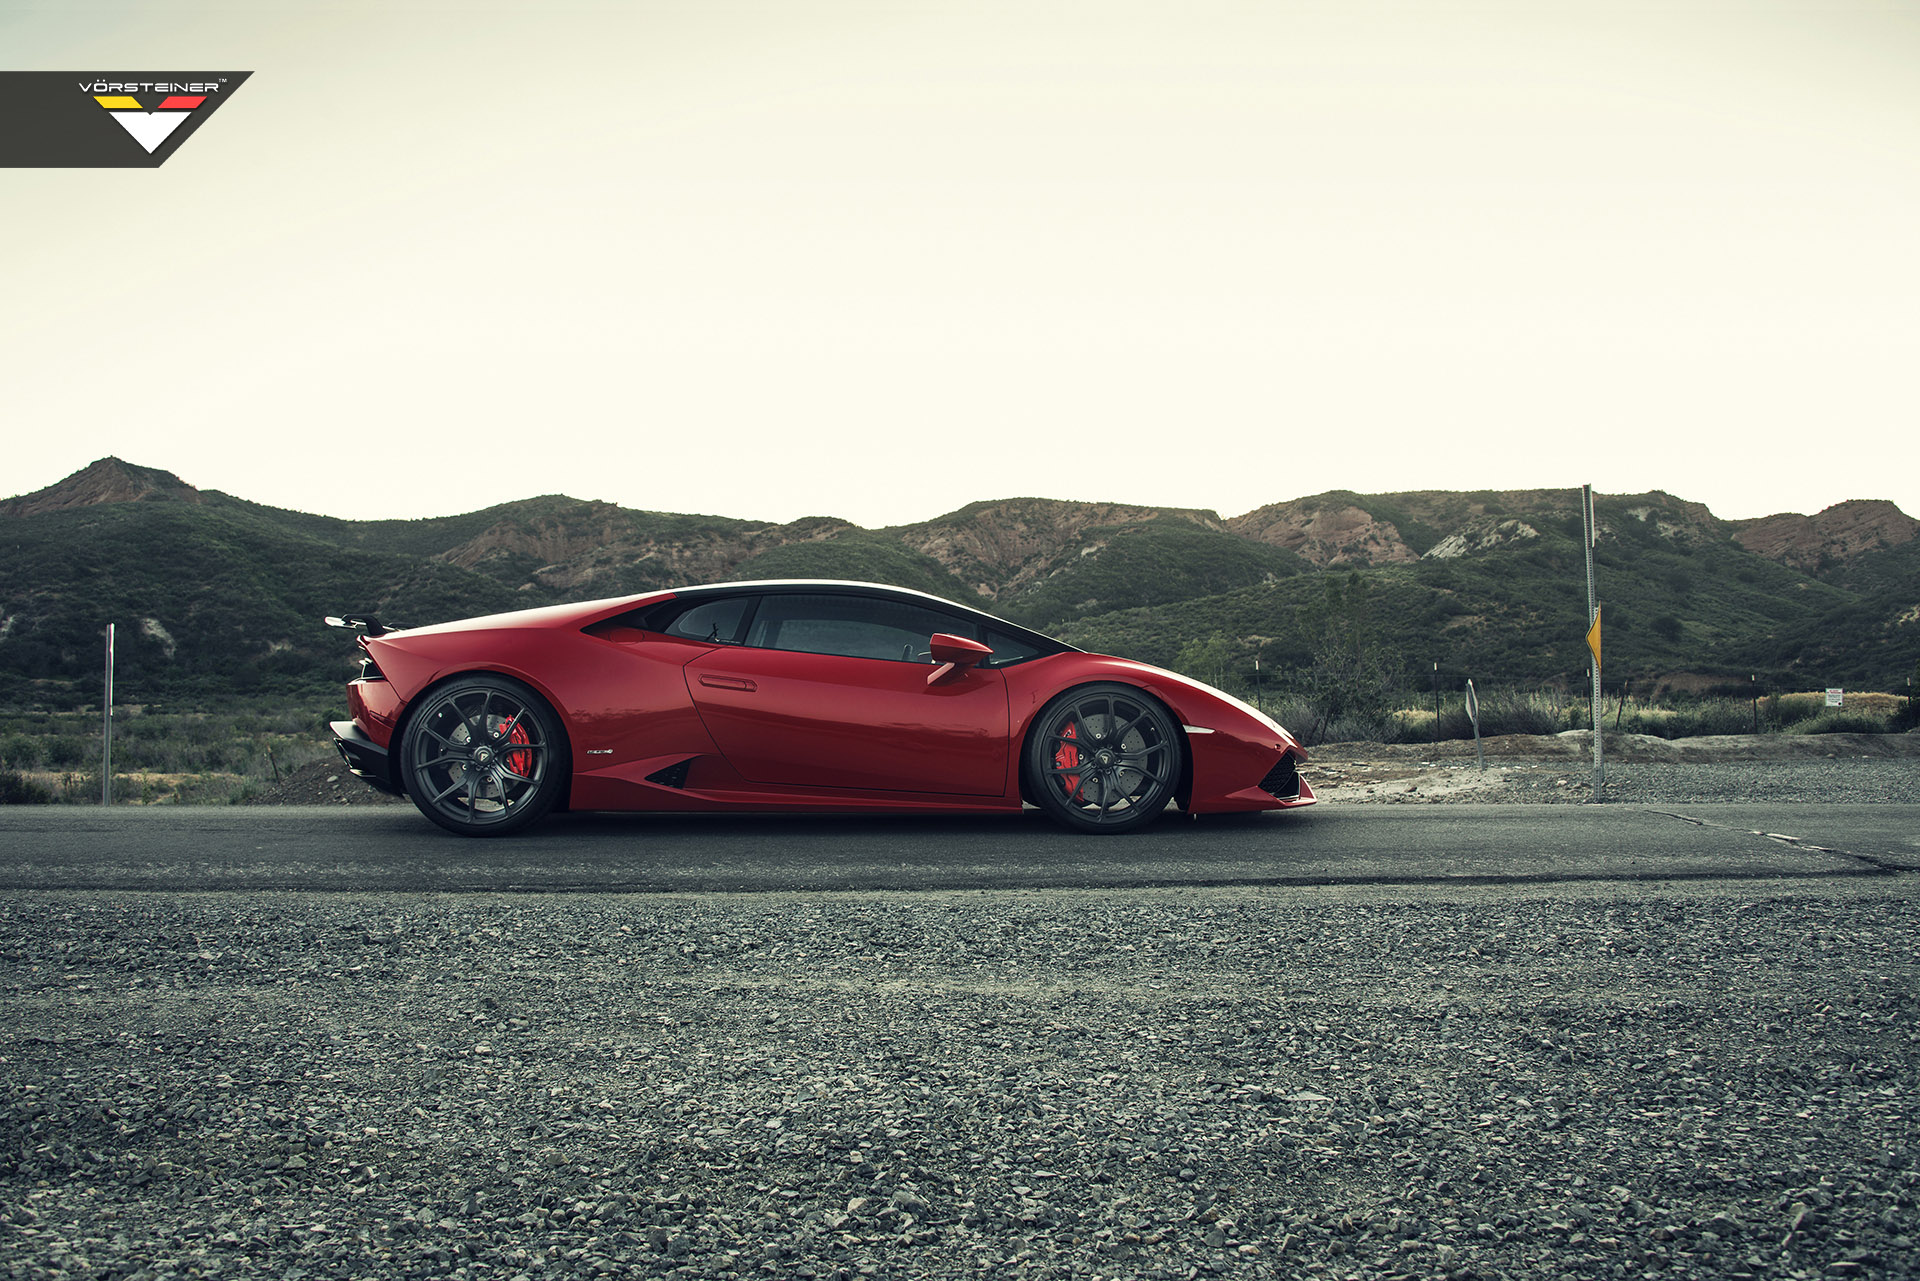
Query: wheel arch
[1183, 788]
[397, 771]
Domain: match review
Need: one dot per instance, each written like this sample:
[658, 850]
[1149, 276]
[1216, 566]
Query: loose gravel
[1347, 780]
[1585, 1081]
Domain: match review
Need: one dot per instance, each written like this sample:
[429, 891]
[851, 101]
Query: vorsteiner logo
[150, 128]
[114, 121]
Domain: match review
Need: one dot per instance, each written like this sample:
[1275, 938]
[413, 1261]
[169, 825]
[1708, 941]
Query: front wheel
[1104, 758]
[484, 756]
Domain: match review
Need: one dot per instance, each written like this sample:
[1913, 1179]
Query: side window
[717, 621]
[1006, 650]
[853, 626]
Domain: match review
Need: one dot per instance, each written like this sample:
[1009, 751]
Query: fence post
[106, 729]
[1473, 714]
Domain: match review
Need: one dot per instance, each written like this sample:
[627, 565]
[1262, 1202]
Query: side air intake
[672, 775]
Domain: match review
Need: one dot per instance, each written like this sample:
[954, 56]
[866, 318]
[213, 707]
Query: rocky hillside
[217, 593]
[107, 481]
[1840, 534]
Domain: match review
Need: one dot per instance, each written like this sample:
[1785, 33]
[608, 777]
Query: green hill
[1162, 562]
[213, 594]
[1675, 598]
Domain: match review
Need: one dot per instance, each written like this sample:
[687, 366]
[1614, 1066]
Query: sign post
[1473, 714]
[1591, 529]
[106, 729]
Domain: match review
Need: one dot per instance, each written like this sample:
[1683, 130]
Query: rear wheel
[484, 756]
[1104, 758]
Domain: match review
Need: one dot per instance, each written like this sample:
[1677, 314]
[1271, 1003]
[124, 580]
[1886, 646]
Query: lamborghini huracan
[792, 696]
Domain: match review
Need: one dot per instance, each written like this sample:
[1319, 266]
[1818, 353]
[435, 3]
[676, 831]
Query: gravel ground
[1585, 1081]
[1857, 769]
[1345, 780]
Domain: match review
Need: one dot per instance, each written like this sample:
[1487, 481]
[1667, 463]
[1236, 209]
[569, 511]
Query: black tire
[1104, 758]
[484, 755]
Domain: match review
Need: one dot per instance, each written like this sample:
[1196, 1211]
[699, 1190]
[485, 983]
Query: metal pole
[1436, 700]
[106, 729]
[1256, 683]
[1473, 714]
[1754, 679]
[1592, 528]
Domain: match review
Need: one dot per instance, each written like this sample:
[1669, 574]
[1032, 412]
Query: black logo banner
[105, 119]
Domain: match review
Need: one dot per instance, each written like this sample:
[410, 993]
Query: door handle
[728, 682]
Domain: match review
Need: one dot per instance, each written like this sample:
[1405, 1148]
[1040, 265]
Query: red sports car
[792, 696]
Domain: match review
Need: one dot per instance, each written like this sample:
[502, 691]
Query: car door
[830, 691]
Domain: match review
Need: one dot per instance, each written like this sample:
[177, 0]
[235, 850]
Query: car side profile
[792, 696]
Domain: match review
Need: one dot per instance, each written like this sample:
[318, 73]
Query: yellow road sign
[1593, 636]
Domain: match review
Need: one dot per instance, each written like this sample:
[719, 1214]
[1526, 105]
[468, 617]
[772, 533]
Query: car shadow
[1027, 825]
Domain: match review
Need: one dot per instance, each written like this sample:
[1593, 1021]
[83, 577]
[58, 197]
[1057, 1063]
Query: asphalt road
[395, 849]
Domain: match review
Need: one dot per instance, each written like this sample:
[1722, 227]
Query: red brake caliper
[1067, 757]
[520, 763]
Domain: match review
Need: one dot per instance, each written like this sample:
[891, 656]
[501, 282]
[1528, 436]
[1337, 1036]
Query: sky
[880, 259]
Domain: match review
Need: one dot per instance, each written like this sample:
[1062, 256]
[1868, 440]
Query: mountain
[107, 481]
[1043, 560]
[1835, 537]
[216, 594]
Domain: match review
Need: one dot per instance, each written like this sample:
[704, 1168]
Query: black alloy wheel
[1104, 758]
[484, 756]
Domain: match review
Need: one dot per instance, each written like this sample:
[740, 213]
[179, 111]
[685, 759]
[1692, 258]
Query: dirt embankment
[1558, 767]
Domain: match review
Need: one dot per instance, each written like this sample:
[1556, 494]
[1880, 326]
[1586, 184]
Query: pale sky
[878, 260]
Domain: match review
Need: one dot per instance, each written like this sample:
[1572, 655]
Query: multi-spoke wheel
[1104, 758]
[484, 755]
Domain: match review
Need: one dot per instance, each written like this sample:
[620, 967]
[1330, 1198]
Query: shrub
[1841, 721]
[79, 789]
[66, 750]
[1691, 721]
[1311, 721]
[1510, 711]
[17, 789]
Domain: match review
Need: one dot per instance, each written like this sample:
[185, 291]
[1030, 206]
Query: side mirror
[954, 654]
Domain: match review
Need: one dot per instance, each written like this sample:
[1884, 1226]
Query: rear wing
[368, 626]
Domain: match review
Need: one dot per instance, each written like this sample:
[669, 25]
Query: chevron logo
[150, 128]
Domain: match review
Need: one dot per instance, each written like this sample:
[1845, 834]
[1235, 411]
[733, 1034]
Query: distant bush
[1509, 711]
[199, 757]
[66, 750]
[1841, 721]
[79, 789]
[1785, 709]
[17, 789]
[1308, 720]
[1690, 721]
